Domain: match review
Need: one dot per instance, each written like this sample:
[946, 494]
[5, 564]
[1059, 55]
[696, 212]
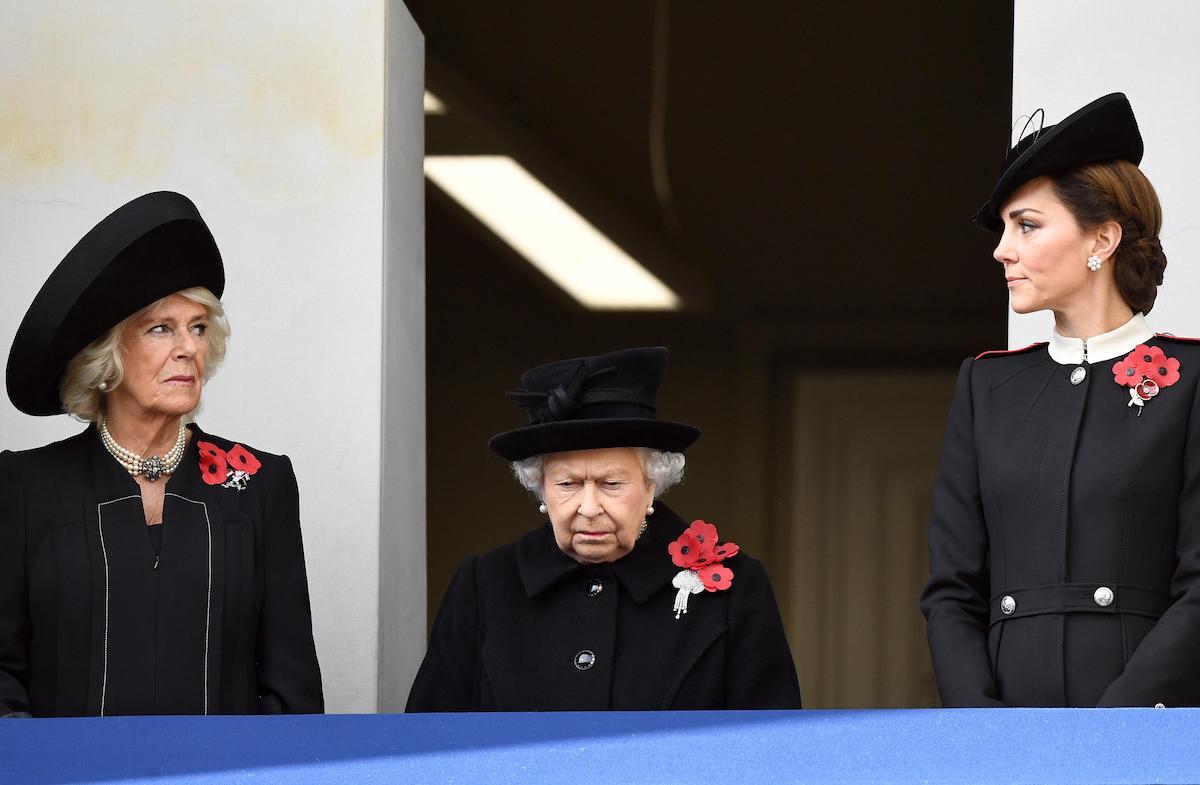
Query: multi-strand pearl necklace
[151, 467]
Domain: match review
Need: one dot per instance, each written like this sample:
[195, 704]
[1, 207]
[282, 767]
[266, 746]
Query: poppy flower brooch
[1145, 371]
[228, 469]
[697, 552]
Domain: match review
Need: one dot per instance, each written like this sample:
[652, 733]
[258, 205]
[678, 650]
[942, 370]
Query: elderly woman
[1065, 538]
[616, 602]
[146, 567]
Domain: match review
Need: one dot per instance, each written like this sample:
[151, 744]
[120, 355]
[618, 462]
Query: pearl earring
[650, 510]
[102, 386]
[1094, 263]
[542, 508]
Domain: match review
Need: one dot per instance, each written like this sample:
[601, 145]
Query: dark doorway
[801, 174]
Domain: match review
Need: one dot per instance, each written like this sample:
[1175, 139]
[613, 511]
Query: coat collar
[1071, 351]
[643, 571]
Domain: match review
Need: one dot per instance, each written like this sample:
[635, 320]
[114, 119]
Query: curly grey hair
[664, 469]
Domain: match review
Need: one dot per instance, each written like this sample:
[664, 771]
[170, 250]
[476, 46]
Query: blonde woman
[146, 567]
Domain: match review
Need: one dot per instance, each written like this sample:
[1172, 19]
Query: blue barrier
[709, 748]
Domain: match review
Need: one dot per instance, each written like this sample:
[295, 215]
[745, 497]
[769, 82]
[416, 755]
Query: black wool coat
[92, 622]
[1086, 516]
[527, 628]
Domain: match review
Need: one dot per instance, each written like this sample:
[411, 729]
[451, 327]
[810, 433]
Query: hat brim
[1104, 130]
[571, 435]
[150, 248]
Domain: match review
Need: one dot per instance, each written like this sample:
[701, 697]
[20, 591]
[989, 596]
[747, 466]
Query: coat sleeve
[955, 600]
[1163, 668]
[15, 626]
[289, 677]
[449, 674]
[760, 672]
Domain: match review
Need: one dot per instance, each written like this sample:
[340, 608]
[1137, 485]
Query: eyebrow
[153, 318]
[1017, 213]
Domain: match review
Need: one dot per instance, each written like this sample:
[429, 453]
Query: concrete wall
[1069, 52]
[271, 116]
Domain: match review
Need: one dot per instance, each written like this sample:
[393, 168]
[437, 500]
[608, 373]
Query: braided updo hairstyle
[1118, 191]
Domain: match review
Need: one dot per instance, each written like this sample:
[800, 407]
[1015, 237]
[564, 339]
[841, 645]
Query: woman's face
[596, 500]
[164, 352]
[1044, 251]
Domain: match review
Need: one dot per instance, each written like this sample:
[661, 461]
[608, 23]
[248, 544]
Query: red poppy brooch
[697, 552]
[228, 469]
[1145, 371]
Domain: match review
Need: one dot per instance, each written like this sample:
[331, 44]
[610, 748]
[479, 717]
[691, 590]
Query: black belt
[1078, 598]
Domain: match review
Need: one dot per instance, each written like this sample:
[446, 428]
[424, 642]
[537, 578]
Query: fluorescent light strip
[546, 231]
[433, 104]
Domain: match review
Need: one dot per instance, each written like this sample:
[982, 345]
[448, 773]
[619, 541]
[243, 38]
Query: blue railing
[705, 748]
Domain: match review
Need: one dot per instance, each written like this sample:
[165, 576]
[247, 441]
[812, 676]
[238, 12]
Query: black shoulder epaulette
[1010, 352]
[1179, 338]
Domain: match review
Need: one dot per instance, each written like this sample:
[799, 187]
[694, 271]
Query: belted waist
[1078, 598]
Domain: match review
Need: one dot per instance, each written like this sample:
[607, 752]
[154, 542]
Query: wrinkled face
[164, 352]
[596, 500]
[1044, 251]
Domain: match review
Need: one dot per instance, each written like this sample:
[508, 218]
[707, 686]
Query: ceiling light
[433, 104]
[545, 230]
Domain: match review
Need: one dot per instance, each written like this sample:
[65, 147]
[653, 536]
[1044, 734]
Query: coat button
[1078, 375]
[1007, 605]
[1159, 706]
[593, 587]
[585, 659]
[1103, 596]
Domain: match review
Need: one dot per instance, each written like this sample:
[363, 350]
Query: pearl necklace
[151, 467]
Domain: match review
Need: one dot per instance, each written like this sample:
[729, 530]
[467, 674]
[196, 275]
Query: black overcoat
[518, 623]
[92, 622]
[1086, 515]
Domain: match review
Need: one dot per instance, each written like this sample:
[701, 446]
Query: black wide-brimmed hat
[1104, 130]
[589, 403]
[151, 247]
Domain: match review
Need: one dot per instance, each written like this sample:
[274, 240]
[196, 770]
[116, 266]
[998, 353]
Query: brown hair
[1118, 191]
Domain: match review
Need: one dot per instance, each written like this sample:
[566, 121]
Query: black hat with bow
[590, 403]
[1104, 130]
[151, 247]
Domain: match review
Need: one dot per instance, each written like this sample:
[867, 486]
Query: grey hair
[101, 361]
[664, 469]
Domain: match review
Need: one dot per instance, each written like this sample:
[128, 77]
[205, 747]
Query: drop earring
[1094, 263]
[642, 528]
[542, 508]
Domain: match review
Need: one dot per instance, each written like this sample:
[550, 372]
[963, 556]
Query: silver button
[1007, 605]
[1103, 596]
[585, 659]
[595, 587]
[1078, 375]
[1159, 706]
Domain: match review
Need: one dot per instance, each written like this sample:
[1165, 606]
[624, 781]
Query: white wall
[402, 583]
[1069, 52]
[269, 115]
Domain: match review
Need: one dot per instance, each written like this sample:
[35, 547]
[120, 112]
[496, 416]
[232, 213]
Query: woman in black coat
[146, 567]
[1065, 538]
[616, 602]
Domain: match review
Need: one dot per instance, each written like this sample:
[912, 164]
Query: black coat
[1050, 493]
[515, 622]
[92, 622]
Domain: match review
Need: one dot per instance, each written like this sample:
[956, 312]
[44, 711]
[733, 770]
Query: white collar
[1072, 351]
